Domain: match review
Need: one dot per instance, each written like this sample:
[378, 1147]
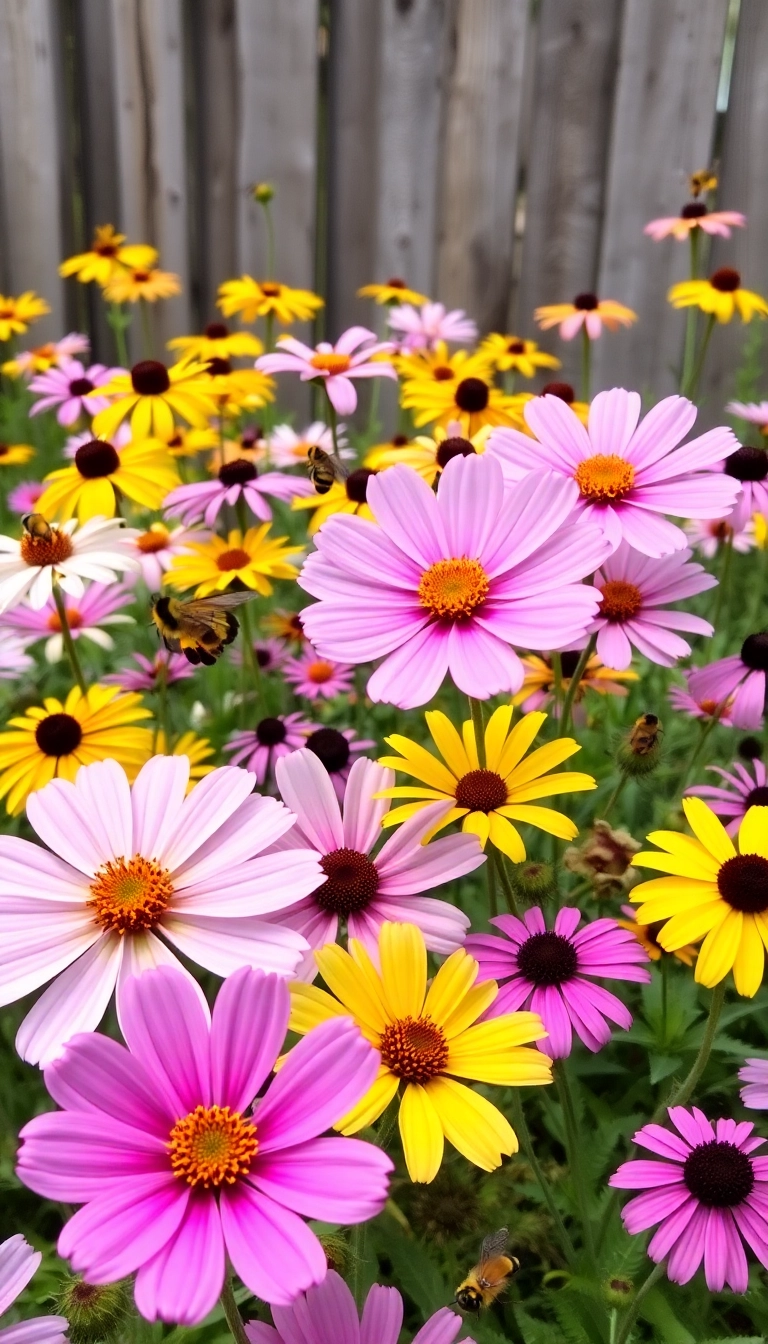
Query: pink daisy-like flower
[742, 676]
[317, 678]
[327, 1314]
[361, 889]
[202, 501]
[156, 549]
[755, 1073]
[286, 448]
[270, 654]
[748, 466]
[150, 673]
[695, 215]
[24, 496]
[681, 699]
[447, 583]
[258, 749]
[73, 388]
[28, 361]
[175, 1164]
[633, 607]
[334, 365]
[709, 534]
[336, 749]
[627, 475]
[18, 1263]
[549, 970]
[707, 1193]
[756, 412]
[123, 865]
[421, 328]
[14, 659]
[745, 791]
[100, 605]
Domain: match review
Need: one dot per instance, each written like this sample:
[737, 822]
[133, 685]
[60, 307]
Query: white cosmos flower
[98, 550]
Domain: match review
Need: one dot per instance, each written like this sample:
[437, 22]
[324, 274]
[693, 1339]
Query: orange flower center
[7, 313]
[51, 550]
[620, 601]
[272, 291]
[234, 559]
[130, 894]
[331, 363]
[156, 539]
[443, 374]
[604, 478]
[414, 1048]
[453, 589]
[74, 620]
[212, 1146]
[320, 672]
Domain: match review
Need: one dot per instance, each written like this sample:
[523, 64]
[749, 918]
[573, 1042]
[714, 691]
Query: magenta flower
[18, 1263]
[634, 610]
[326, 1314]
[745, 791]
[740, 678]
[259, 748]
[546, 970]
[84, 914]
[335, 748]
[627, 475]
[695, 215]
[755, 1073]
[100, 605]
[684, 702]
[447, 583]
[748, 466]
[317, 678]
[421, 328]
[158, 1142]
[709, 534]
[361, 889]
[202, 501]
[150, 673]
[24, 496]
[707, 1194]
[334, 365]
[73, 388]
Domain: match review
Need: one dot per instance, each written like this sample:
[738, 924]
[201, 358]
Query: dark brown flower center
[218, 367]
[443, 374]
[758, 797]
[400, 440]
[263, 657]
[58, 735]
[587, 301]
[270, 289]
[472, 395]
[352, 882]
[331, 747]
[750, 748]
[748, 464]
[237, 558]
[216, 331]
[80, 387]
[150, 378]
[754, 652]
[693, 210]
[515, 347]
[725, 279]
[718, 1174]
[481, 791]
[396, 283]
[357, 484]
[4, 449]
[414, 1048]
[271, 732]
[455, 447]
[547, 959]
[105, 250]
[569, 661]
[238, 472]
[743, 883]
[562, 390]
[96, 459]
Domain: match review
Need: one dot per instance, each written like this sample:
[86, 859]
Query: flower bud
[604, 857]
[95, 1312]
[534, 882]
[337, 1252]
[640, 750]
[618, 1290]
[263, 192]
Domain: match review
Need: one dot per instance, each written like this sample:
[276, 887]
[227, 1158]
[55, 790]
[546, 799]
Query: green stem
[691, 320]
[506, 885]
[161, 721]
[69, 643]
[478, 723]
[634, 1307]
[614, 798]
[573, 1144]
[682, 1094]
[233, 1318]
[706, 728]
[523, 1133]
[270, 240]
[510, 379]
[490, 868]
[586, 364]
[119, 321]
[557, 679]
[664, 969]
[334, 424]
[691, 386]
[249, 653]
[358, 1260]
[725, 575]
[573, 686]
[269, 332]
[146, 329]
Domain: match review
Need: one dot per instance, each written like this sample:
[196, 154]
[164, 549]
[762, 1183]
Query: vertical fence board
[29, 143]
[480, 159]
[212, 85]
[574, 84]
[663, 127]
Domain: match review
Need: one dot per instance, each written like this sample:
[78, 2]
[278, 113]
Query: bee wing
[205, 607]
[339, 470]
[494, 1245]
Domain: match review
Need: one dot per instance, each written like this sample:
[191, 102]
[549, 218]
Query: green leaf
[414, 1271]
[658, 1312]
[661, 1066]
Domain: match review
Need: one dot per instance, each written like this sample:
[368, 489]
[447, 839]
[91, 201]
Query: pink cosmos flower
[695, 215]
[709, 534]
[745, 791]
[156, 549]
[549, 970]
[123, 865]
[286, 448]
[174, 1169]
[627, 475]
[73, 388]
[24, 496]
[447, 583]
[681, 699]
[73, 344]
[327, 1314]
[18, 1263]
[741, 676]
[150, 673]
[260, 748]
[316, 677]
[756, 412]
[362, 889]
[202, 501]
[633, 608]
[336, 748]
[707, 1193]
[748, 466]
[100, 605]
[421, 328]
[754, 1073]
[334, 365]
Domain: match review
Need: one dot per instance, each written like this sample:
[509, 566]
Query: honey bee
[644, 735]
[199, 628]
[324, 468]
[486, 1281]
[37, 526]
[702, 181]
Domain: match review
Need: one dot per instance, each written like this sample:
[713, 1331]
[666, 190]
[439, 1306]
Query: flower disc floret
[620, 601]
[743, 883]
[748, 464]
[547, 959]
[96, 459]
[331, 747]
[718, 1174]
[604, 478]
[331, 363]
[235, 558]
[452, 589]
[150, 378]
[271, 731]
[415, 1049]
[754, 652]
[238, 472]
[726, 280]
[212, 1146]
[52, 550]
[58, 734]
[481, 791]
[353, 881]
[130, 894]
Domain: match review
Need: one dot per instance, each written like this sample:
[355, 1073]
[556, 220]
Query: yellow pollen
[156, 539]
[46, 550]
[320, 672]
[130, 895]
[235, 559]
[620, 601]
[331, 363]
[452, 589]
[604, 478]
[212, 1146]
[74, 620]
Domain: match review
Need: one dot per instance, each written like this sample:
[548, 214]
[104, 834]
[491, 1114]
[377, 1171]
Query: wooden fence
[498, 154]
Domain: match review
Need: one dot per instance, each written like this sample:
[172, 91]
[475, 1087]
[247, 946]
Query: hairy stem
[634, 1307]
[232, 1314]
[69, 643]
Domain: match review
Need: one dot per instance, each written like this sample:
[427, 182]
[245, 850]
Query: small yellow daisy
[720, 296]
[253, 559]
[91, 485]
[108, 254]
[392, 291]
[512, 354]
[267, 298]
[141, 282]
[16, 314]
[152, 394]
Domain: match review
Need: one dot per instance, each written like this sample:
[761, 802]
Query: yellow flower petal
[694, 887]
[545, 818]
[403, 968]
[690, 925]
[421, 764]
[718, 951]
[421, 1133]
[472, 1006]
[708, 829]
[750, 959]
[476, 1128]
[448, 742]
[310, 1006]
[675, 864]
[506, 838]
[546, 786]
[518, 742]
[450, 986]
[753, 832]
[350, 984]
[495, 735]
[479, 824]
[489, 1052]
[372, 1105]
[470, 744]
[540, 761]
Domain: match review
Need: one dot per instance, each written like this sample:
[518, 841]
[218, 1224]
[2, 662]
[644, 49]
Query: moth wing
[494, 1245]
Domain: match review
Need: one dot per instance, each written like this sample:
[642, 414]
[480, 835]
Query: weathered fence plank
[480, 158]
[669, 65]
